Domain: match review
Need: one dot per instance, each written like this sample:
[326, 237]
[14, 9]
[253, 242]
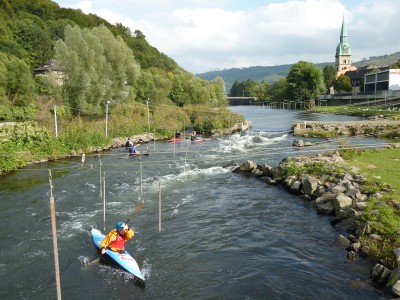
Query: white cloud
[207, 35]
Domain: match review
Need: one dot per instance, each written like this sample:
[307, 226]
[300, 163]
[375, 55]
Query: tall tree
[305, 82]
[329, 72]
[343, 83]
[98, 68]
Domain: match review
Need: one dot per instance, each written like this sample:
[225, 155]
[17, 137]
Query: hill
[271, 74]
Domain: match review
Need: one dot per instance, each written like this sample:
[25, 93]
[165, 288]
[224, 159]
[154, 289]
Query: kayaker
[116, 238]
[132, 149]
[128, 143]
[193, 137]
[177, 134]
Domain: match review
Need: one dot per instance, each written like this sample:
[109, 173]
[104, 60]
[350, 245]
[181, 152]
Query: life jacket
[118, 243]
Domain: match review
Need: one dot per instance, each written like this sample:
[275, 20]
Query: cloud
[207, 35]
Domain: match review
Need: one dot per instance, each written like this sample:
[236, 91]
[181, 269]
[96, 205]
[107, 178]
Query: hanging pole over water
[54, 231]
[141, 175]
[100, 163]
[187, 148]
[159, 204]
[104, 202]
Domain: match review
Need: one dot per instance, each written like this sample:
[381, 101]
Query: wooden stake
[54, 231]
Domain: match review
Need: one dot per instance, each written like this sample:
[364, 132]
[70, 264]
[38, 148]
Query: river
[223, 236]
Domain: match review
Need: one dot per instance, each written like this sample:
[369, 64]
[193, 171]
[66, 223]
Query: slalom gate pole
[100, 163]
[54, 231]
[104, 202]
[159, 204]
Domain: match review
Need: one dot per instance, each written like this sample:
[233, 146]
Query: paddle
[85, 261]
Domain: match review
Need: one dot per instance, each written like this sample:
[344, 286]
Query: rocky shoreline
[339, 191]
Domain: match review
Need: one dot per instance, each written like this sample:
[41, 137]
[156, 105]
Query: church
[367, 79]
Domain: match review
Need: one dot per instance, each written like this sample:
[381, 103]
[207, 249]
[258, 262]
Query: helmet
[119, 225]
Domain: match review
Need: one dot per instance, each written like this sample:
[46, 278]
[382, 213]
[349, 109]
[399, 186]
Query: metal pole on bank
[55, 120]
[55, 245]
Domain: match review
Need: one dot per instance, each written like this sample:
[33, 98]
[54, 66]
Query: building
[50, 70]
[383, 80]
[343, 51]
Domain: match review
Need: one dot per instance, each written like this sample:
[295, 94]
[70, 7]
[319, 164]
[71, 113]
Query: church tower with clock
[343, 50]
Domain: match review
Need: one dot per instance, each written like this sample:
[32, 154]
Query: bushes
[16, 113]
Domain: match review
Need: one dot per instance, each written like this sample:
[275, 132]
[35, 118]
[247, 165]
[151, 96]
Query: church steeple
[343, 50]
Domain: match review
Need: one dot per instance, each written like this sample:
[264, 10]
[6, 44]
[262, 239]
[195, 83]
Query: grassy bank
[383, 213]
[361, 111]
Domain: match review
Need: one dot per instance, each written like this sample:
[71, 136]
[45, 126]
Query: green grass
[381, 168]
[380, 163]
[362, 111]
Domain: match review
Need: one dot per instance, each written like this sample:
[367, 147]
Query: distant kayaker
[128, 143]
[177, 134]
[132, 149]
[116, 238]
[193, 136]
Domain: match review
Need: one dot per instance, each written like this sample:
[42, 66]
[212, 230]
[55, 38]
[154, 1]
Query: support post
[108, 102]
[55, 120]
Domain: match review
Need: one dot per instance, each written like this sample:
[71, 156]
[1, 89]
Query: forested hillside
[271, 74]
[101, 62]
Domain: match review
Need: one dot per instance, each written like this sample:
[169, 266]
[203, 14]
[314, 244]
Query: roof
[47, 66]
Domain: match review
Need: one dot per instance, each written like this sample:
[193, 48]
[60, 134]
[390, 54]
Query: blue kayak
[124, 260]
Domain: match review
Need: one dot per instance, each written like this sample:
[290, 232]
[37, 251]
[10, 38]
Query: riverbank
[26, 143]
[365, 212]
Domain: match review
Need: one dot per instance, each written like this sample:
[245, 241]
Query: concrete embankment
[338, 191]
[345, 128]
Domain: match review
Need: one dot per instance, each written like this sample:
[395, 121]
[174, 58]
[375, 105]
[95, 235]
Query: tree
[343, 83]
[305, 82]
[98, 68]
[396, 65]
[329, 72]
[278, 89]
[17, 87]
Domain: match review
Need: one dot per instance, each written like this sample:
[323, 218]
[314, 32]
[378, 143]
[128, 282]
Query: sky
[210, 35]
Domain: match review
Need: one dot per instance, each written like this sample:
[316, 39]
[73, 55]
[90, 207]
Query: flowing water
[223, 236]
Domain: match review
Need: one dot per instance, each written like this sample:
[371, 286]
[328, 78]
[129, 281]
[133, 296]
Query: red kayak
[174, 140]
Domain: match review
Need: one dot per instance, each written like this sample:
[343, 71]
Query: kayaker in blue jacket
[132, 149]
[116, 238]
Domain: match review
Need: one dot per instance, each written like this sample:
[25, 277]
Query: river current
[223, 236]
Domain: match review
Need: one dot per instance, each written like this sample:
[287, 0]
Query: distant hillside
[273, 73]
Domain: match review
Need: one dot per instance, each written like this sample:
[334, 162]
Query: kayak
[123, 260]
[174, 140]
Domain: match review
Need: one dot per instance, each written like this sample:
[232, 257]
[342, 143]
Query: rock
[352, 255]
[288, 181]
[248, 166]
[296, 187]
[397, 254]
[324, 209]
[298, 143]
[396, 288]
[380, 274]
[364, 228]
[361, 205]
[353, 193]
[309, 184]
[269, 180]
[342, 242]
[355, 247]
[341, 202]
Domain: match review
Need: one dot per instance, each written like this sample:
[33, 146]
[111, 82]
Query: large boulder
[341, 202]
[310, 184]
